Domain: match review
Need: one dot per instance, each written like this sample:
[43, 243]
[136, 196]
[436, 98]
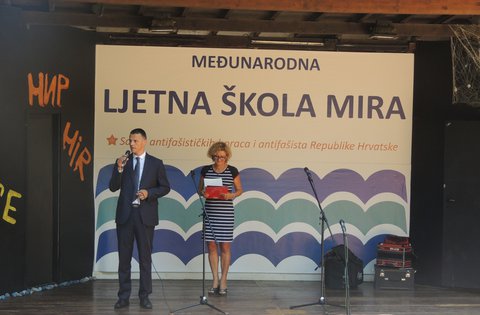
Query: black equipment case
[394, 278]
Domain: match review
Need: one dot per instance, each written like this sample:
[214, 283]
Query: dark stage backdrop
[64, 62]
[462, 203]
[12, 157]
[47, 88]
[445, 175]
[432, 95]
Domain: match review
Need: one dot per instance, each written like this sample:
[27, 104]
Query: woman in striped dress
[220, 222]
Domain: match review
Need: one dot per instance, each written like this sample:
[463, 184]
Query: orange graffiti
[74, 142]
[47, 91]
[8, 205]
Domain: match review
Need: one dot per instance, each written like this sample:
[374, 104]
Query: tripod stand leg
[203, 301]
[216, 308]
[321, 301]
[184, 308]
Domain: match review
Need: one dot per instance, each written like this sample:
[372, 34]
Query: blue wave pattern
[257, 179]
[337, 180]
[292, 244]
[297, 243]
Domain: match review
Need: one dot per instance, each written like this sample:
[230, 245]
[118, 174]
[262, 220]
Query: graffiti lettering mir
[74, 142]
[47, 91]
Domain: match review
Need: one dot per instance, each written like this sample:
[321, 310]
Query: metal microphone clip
[309, 174]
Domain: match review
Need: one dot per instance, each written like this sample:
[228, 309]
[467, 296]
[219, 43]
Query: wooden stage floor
[245, 298]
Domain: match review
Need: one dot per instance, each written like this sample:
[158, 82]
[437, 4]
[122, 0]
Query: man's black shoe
[145, 303]
[121, 303]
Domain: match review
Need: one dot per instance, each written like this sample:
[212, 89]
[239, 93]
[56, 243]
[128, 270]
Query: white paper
[212, 182]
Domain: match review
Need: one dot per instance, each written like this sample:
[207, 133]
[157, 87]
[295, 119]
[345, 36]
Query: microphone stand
[203, 297]
[346, 274]
[323, 221]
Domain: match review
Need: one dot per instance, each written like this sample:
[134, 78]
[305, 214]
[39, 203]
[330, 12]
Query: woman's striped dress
[220, 212]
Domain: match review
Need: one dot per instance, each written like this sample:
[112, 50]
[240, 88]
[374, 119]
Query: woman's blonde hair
[219, 146]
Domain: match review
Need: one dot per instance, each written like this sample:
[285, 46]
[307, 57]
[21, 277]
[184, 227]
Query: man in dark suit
[141, 179]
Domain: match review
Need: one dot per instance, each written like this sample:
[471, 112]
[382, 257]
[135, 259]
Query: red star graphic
[112, 140]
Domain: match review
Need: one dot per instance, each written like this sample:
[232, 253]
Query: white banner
[346, 117]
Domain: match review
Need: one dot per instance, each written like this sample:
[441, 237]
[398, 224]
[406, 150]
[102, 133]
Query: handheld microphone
[192, 173]
[127, 153]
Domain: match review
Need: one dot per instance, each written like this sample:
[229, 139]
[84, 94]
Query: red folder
[215, 192]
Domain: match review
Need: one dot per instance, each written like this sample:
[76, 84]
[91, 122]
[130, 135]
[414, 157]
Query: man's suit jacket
[154, 180]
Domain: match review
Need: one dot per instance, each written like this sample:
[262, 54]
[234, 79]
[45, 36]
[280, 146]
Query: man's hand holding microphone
[122, 161]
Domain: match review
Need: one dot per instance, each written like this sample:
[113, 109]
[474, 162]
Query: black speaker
[335, 268]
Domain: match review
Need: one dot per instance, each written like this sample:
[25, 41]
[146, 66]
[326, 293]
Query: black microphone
[342, 225]
[127, 153]
[192, 173]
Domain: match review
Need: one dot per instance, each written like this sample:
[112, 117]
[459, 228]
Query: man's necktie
[137, 175]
